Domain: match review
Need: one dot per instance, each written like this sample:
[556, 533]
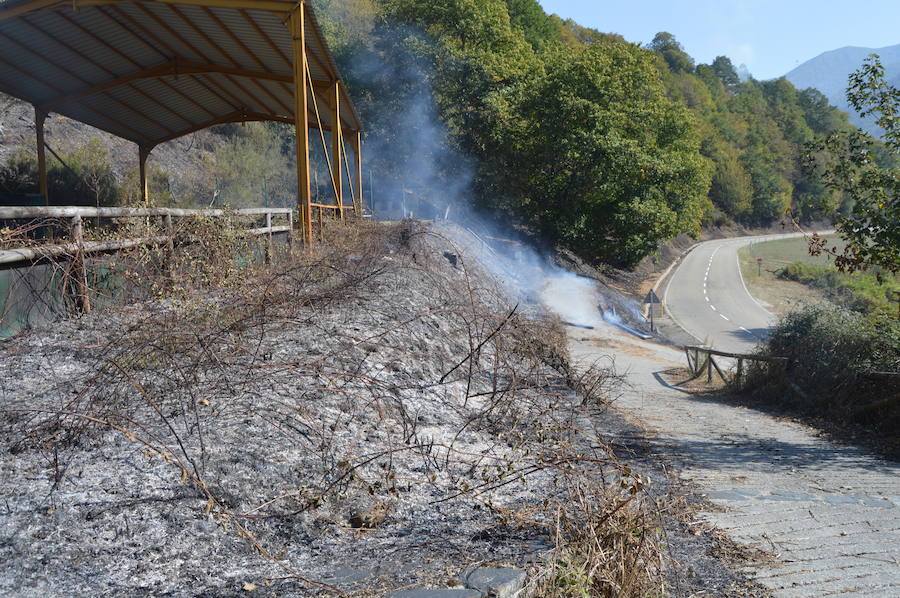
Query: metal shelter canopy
[154, 70]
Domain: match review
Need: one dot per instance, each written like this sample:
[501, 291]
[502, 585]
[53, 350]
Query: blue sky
[770, 36]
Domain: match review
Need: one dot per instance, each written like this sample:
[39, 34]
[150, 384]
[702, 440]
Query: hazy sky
[770, 36]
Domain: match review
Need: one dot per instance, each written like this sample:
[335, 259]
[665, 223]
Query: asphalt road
[706, 296]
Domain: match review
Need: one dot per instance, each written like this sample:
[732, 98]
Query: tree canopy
[852, 163]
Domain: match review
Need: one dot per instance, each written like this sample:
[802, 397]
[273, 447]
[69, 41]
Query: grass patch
[872, 292]
[788, 277]
[780, 295]
[782, 252]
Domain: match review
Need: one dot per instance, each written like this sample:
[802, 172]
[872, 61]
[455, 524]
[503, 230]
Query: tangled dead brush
[605, 545]
[363, 417]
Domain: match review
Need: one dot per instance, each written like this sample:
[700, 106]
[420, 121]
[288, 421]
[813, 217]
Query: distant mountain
[828, 73]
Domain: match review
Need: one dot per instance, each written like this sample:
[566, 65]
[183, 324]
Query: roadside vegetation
[836, 357]
[844, 358]
[875, 292]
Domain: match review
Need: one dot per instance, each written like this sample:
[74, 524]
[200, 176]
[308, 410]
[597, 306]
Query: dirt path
[829, 514]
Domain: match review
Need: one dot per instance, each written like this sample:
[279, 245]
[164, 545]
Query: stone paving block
[445, 593]
[828, 511]
[883, 549]
[840, 588]
[495, 582]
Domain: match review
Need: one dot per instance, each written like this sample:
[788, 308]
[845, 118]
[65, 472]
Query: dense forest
[605, 146]
[598, 143]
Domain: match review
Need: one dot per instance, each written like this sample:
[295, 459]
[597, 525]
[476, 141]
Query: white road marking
[713, 308]
[724, 317]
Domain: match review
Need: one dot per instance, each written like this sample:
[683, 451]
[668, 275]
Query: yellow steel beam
[238, 116]
[301, 107]
[356, 144]
[282, 6]
[336, 150]
[171, 68]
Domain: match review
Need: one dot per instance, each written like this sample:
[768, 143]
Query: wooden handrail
[734, 355]
[75, 214]
[709, 364]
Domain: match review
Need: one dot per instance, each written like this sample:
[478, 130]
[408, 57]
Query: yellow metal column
[301, 127]
[356, 145]
[143, 154]
[337, 140]
[39, 118]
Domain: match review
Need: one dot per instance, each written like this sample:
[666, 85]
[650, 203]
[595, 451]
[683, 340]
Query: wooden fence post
[290, 234]
[709, 367]
[170, 244]
[82, 298]
[268, 256]
[739, 373]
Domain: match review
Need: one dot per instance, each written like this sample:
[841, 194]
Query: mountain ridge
[828, 72]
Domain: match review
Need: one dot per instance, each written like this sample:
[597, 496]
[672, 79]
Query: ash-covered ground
[381, 414]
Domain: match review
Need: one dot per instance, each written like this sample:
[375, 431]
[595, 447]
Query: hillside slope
[828, 73]
[182, 159]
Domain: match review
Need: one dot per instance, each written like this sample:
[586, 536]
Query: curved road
[707, 297]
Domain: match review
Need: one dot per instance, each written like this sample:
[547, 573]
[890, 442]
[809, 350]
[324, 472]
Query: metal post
[301, 127]
[356, 143]
[82, 298]
[337, 140]
[39, 118]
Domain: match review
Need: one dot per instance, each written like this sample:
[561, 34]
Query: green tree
[84, 177]
[537, 27]
[665, 44]
[732, 187]
[611, 166]
[249, 168]
[848, 164]
[724, 70]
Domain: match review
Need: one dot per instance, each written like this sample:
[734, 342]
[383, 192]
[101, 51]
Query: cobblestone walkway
[830, 514]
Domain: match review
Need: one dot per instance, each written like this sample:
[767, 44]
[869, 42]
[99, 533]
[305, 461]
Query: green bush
[830, 351]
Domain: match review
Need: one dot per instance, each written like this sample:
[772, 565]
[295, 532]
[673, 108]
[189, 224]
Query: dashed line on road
[724, 317]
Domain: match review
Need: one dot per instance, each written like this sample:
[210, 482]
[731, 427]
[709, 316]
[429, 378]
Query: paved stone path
[830, 514]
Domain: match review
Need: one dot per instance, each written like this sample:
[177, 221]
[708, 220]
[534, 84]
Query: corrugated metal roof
[150, 70]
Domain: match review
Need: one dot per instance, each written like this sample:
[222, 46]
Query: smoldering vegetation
[379, 413]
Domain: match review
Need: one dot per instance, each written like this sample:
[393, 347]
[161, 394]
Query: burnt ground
[380, 415]
[702, 561]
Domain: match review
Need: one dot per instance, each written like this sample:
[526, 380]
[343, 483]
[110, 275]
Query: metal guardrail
[77, 248]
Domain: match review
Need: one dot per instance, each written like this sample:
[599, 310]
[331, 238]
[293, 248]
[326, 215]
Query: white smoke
[423, 176]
